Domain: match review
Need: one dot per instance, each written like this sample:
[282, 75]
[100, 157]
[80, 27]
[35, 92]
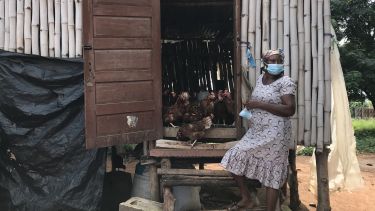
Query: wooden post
[322, 179]
[71, 29]
[154, 178]
[35, 27]
[20, 19]
[78, 22]
[12, 25]
[27, 27]
[57, 28]
[6, 25]
[237, 63]
[64, 29]
[51, 29]
[169, 199]
[293, 181]
[43, 28]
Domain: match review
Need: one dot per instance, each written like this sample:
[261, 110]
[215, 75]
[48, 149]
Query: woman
[262, 153]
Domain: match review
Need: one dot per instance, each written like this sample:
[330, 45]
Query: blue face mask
[275, 69]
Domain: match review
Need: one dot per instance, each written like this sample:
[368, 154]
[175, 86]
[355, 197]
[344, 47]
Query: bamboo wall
[50, 28]
[303, 29]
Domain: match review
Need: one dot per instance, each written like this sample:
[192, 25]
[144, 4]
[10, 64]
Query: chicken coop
[177, 71]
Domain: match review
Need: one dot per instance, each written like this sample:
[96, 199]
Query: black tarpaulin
[43, 161]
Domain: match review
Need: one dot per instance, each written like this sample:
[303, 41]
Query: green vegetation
[306, 151]
[364, 131]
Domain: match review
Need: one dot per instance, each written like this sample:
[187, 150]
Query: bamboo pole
[314, 53]
[78, 16]
[64, 29]
[6, 25]
[327, 73]
[35, 27]
[2, 23]
[43, 28]
[274, 18]
[280, 24]
[251, 38]
[51, 29]
[301, 73]
[307, 25]
[57, 28]
[266, 25]
[320, 112]
[258, 37]
[71, 29]
[12, 25]
[20, 26]
[245, 91]
[286, 38]
[27, 27]
[293, 40]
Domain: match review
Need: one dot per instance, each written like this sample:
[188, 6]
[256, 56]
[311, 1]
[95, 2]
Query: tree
[354, 23]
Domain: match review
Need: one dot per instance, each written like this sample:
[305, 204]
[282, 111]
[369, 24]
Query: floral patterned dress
[262, 153]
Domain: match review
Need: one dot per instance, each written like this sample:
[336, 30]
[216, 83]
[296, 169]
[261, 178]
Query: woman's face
[274, 59]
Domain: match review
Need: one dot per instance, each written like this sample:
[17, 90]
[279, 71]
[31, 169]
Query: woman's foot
[244, 204]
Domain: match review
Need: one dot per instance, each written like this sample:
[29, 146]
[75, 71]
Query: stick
[64, 29]
[301, 74]
[327, 73]
[280, 23]
[320, 112]
[27, 27]
[266, 26]
[12, 25]
[43, 28]
[251, 38]
[286, 39]
[57, 28]
[20, 26]
[258, 37]
[293, 40]
[35, 28]
[51, 29]
[2, 23]
[78, 21]
[314, 52]
[7, 26]
[307, 25]
[71, 29]
[274, 18]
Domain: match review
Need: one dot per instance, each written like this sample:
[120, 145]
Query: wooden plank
[125, 138]
[118, 92]
[117, 108]
[126, 75]
[222, 133]
[220, 173]
[120, 123]
[106, 60]
[237, 65]
[125, 2]
[192, 153]
[172, 144]
[122, 10]
[122, 27]
[122, 43]
[88, 56]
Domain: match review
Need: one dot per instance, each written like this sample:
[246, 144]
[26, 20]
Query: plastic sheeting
[343, 166]
[43, 161]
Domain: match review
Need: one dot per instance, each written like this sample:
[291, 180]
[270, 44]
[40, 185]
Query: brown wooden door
[122, 71]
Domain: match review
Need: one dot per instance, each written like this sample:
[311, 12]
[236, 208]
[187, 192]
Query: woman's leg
[245, 193]
[272, 196]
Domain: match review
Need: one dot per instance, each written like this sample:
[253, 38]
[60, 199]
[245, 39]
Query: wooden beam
[222, 133]
[173, 144]
[322, 177]
[220, 173]
[237, 64]
[192, 153]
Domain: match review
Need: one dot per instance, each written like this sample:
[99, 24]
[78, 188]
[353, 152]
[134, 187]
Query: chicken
[193, 113]
[224, 108]
[175, 113]
[207, 105]
[194, 131]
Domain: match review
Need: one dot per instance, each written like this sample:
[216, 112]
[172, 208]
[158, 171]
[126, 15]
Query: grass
[364, 131]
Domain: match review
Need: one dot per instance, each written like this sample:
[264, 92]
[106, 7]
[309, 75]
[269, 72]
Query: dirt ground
[359, 200]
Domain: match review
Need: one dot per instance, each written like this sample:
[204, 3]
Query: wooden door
[122, 71]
